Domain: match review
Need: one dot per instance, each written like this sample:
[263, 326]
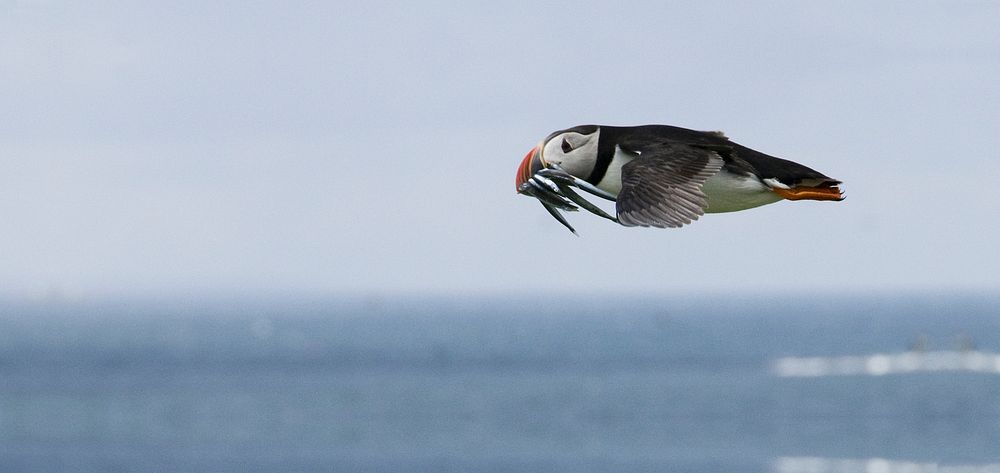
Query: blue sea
[493, 384]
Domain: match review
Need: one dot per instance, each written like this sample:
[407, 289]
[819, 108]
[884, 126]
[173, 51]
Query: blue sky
[318, 147]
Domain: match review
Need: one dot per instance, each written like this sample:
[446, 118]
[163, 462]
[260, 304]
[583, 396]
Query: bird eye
[566, 147]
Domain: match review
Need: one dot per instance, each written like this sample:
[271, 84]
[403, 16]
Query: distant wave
[881, 364]
[872, 465]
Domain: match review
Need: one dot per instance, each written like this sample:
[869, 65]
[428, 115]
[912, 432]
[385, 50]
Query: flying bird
[661, 176]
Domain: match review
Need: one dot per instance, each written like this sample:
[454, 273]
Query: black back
[738, 158]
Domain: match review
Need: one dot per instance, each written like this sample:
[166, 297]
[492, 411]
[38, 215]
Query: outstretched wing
[662, 186]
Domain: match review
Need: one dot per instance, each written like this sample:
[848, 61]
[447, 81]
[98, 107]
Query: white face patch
[574, 152]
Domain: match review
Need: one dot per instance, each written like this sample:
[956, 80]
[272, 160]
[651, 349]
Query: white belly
[728, 192]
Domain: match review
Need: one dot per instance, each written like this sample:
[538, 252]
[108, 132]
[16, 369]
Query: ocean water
[556, 384]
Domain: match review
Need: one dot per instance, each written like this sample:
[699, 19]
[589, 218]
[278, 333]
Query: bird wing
[662, 186]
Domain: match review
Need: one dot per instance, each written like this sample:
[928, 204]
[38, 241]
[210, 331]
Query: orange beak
[531, 164]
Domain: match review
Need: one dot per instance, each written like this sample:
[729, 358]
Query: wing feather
[662, 186]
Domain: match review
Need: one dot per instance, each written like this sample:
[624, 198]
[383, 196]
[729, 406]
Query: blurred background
[283, 236]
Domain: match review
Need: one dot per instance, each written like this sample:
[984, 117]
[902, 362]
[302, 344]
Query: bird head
[574, 149]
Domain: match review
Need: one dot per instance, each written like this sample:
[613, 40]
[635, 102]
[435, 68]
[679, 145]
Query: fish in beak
[551, 185]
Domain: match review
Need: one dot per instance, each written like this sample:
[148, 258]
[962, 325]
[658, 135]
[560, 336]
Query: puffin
[660, 175]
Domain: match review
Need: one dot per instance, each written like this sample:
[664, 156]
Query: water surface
[466, 384]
